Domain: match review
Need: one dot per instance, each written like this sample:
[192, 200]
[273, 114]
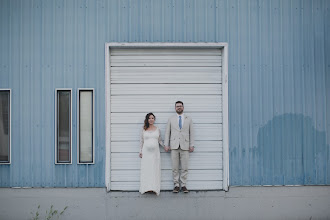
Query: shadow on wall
[292, 152]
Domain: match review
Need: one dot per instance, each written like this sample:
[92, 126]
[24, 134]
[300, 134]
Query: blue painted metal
[279, 80]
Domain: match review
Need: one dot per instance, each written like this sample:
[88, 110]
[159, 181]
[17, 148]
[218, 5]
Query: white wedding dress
[150, 162]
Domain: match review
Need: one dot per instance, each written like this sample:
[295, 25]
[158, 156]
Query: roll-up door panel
[147, 80]
[133, 75]
[162, 117]
[133, 146]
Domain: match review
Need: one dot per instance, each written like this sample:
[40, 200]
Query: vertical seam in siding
[326, 94]
[303, 96]
[251, 170]
[272, 88]
[129, 21]
[152, 21]
[261, 88]
[314, 95]
[238, 66]
[184, 22]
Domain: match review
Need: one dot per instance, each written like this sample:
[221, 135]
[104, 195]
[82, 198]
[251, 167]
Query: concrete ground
[302, 202]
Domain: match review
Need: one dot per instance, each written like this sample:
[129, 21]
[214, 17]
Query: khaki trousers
[178, 156]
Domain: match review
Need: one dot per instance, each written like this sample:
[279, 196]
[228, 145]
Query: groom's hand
[191, 149]
[166, 148]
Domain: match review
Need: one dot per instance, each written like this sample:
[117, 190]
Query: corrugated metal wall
[279, 80]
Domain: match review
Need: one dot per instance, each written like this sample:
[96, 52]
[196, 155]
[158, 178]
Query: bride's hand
[140, 155]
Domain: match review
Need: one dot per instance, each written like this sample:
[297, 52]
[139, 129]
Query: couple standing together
[179, 139]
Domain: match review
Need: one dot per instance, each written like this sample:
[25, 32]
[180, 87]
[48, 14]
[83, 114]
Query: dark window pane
[4, 126]
[64, 126]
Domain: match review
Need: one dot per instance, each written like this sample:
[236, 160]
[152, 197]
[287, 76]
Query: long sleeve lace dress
[150, 172]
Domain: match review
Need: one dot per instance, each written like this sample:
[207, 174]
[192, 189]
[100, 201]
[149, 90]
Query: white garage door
[152, 80]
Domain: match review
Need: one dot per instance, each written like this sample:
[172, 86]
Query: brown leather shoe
[176, 189]
[184, 189]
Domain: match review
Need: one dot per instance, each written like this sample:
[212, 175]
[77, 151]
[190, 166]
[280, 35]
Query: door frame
[225, 141]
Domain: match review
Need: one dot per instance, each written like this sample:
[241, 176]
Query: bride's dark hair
[146, 123]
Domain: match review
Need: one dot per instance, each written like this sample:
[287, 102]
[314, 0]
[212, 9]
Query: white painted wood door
[152, 80]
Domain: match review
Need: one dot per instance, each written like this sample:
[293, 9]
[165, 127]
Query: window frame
[56, 147]
[9, 159]
[78, 123]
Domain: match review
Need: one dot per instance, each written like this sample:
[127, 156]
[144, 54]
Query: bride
[150, 156]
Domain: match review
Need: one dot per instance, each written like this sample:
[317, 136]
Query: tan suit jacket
[174, 137]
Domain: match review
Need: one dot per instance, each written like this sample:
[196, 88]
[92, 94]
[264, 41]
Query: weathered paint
[279, 82]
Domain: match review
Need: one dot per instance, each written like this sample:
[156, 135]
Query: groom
[179, 138]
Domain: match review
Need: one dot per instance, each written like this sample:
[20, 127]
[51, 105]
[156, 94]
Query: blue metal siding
[279, 81]
[45, 46]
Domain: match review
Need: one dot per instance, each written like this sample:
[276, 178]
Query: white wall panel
[167, 60]
[162, 117]
[134, 146]
[152, 80]
[166, 89]
[164, 51]
[150, 75]
[165, 103]
[134, 175]
[198, 161]
[131, 132]
[168, 185]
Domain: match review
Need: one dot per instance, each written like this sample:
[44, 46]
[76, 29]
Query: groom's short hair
[179, 102]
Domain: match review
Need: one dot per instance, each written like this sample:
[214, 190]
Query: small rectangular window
[85, 126]
[63, 126]
[5, 126]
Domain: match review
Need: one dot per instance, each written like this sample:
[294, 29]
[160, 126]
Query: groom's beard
[179, 111]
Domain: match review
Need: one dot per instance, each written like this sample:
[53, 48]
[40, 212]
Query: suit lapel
[185, 122]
